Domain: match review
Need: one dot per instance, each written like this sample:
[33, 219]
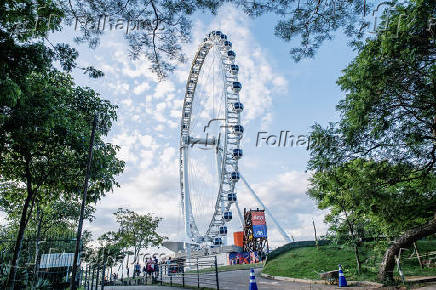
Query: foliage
[308, 262]
[44, 124]
[138, 231]
[113, 246]
[157, 29]
[377, 164]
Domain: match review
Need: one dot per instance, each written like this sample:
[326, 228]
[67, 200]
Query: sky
[278, 95]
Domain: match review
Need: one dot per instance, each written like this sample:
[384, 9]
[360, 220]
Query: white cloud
[285, 195]
[150, 147]
[141, 88]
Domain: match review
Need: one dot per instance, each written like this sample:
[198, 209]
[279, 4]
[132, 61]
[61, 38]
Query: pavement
[431, 286]
[142, 288]
[239, 279]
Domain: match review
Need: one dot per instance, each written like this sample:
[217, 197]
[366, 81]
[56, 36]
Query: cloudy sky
[277, 93]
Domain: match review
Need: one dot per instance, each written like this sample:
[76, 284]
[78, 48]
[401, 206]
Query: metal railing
[196, 272]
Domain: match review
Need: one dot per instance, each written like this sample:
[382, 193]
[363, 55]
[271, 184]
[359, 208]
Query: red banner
[258, 218]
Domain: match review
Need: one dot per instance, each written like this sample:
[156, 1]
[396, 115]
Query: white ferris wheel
[210, 138]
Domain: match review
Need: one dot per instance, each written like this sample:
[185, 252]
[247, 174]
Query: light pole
[73, 284]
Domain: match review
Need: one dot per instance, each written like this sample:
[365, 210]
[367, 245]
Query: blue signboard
[259, 231]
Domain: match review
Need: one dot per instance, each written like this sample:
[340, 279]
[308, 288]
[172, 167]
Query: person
[144, 270]
[156, 267]
[149, 266]
[169, 267]
[137, 271]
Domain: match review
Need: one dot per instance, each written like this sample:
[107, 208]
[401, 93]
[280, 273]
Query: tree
[388, 121]
[341, 190]
[157, 29]
[43, 147]
[166, 25]
[114, 247]
[44, 116]
[138, 231]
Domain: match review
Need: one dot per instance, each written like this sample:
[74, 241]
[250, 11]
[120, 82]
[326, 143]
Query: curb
[308, 281]
[421, 279]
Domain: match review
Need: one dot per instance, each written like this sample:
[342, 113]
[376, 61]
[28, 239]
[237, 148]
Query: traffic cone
[342, 280]
[253, 285]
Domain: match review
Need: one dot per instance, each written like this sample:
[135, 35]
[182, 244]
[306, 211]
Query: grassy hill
[307, 262]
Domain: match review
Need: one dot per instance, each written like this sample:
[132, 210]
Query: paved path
[142, 288]
[240, 279]
[431, 286]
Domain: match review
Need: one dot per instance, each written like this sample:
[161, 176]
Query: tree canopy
[157, 29]
[379, 159]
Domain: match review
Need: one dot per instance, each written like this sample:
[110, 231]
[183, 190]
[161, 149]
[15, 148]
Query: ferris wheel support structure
[253, 193]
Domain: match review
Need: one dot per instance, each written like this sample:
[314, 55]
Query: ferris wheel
[210, 140]
[210, 137]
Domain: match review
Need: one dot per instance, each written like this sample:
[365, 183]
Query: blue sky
[278, 95]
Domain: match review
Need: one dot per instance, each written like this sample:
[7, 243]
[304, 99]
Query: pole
[161, 275]
[73, 284]
[183, 276]
[198, 276]
[92, 279]
[86, 275]
[216, 274]
[98, 273]
[104, 271]
[281, 230]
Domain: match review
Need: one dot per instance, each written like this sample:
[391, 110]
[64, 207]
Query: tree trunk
[386, 270]
[38, 236]
[23, 224]
[356, 254]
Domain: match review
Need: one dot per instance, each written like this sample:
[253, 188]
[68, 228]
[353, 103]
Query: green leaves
[138, 231]
[375, 169]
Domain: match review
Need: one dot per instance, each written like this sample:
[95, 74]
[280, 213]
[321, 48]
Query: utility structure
[211, 123]
[255, 231]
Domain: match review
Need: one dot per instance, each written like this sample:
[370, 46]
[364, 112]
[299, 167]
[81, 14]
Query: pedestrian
[137, 271]
[169, 265]
[144, 270]
[149, 266]
[156, 267]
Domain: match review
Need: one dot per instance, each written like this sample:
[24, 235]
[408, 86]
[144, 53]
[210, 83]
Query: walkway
[142, 288]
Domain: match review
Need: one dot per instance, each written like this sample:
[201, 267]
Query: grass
[308, 262]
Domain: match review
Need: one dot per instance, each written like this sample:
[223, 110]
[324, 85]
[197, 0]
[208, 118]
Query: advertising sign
[258, 218]
[243, 258]
[259, 224]
[56, 260]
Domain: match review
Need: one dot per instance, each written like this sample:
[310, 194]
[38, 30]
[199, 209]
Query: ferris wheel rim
[233, 133]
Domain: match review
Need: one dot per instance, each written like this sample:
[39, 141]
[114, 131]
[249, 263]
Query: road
[240, 279]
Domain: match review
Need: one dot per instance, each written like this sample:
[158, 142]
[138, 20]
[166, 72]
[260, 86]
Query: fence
[42, 261]
[196, 272]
